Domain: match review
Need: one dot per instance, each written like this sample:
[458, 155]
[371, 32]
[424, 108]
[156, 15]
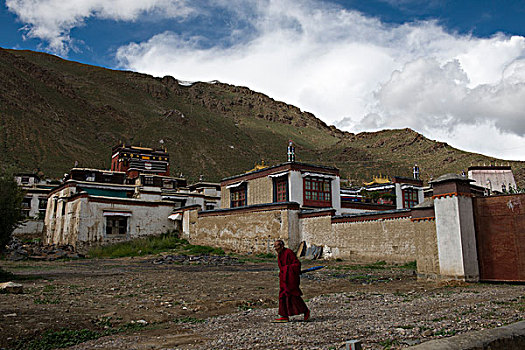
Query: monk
[290, 301]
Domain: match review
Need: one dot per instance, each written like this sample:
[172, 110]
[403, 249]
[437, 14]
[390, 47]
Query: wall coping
[186, 208]
[387, 214]
[251, 208]
[316, 213]
[452, 194]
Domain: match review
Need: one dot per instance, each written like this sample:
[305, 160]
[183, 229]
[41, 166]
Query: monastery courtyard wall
[253, 230]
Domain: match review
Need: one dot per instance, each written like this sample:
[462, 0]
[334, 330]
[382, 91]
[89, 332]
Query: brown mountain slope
[56, 112]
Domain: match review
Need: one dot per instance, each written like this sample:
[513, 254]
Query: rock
[427, 333]
[11, 287]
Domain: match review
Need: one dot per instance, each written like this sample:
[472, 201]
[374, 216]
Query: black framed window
[116, 225]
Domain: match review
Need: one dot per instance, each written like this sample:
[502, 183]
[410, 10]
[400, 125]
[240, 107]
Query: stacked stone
[16, 250]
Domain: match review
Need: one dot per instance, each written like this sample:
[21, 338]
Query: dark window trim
[242, 190]
[123, 231]
[315, 181]
[281, 179]
[409, 201]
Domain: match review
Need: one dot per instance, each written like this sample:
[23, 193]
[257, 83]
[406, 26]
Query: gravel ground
[232, 306]
[378, 319]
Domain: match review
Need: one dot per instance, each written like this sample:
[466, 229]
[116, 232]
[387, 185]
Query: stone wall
[260, 191]
[390, 240]
[225, 197]
[426, 249]
[363, 239]
[240, 230]
[316, 230]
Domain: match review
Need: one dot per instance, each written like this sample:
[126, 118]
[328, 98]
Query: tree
[11, 197]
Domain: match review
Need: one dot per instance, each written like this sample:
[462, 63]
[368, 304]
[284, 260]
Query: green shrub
[152, 245]
[409, 265]
[138, 247]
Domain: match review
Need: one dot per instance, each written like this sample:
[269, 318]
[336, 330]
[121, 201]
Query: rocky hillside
[56, 112]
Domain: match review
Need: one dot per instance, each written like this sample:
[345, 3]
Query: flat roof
[275, 167]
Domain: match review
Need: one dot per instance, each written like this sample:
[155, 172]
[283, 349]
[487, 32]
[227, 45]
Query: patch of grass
[191, 320]
[446, 333]
[409, 265]
[468, 311]
[49, 288]
[378, 265]
[266, 256]
[139, 246]
[58, 339]
[152, 245]
[63, 338]
[388, 343]
[358, 278]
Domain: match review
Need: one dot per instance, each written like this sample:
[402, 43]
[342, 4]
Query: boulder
[11, 287]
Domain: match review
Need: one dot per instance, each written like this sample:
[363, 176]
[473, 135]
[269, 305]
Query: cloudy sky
[452, 70]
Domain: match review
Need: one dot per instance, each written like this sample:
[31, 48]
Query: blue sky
[452, 70]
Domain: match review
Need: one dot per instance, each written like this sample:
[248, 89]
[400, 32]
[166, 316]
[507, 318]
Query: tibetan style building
[135, 160]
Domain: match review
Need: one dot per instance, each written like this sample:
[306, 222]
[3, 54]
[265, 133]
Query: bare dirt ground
[172, 306]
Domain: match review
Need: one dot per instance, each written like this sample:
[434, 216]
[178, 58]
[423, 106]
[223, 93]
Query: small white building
[34, 204]
[310, 186]
[495, 178]
[99, 206]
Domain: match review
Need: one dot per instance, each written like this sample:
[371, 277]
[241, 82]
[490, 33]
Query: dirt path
[230, 307]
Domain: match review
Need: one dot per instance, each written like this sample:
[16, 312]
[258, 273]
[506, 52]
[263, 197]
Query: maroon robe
[290, 301]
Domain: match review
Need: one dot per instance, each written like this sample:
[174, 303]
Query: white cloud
[52, 20]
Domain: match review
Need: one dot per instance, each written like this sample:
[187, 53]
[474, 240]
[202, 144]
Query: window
[26, 203]
[317, 192]
[410, 198]
[116, 225]
[26, 207]
[42, 203]
[42, 206]
[148, 181]
[168, 183]
[238, 196]
[280, 189]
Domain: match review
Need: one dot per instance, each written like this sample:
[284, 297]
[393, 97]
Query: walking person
[290, 301]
